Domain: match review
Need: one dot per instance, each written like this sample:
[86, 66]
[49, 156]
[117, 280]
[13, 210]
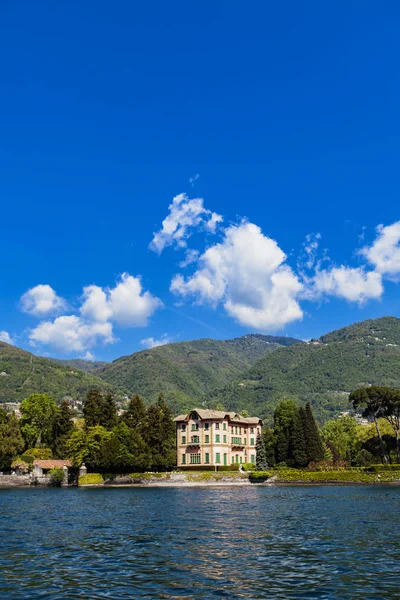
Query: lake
[201, 543]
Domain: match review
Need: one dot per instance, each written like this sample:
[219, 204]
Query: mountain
[186, 372]
[22, 373]
[80, 363]
[322, 371]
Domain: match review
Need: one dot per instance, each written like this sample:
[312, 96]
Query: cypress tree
[314, 446]
[109, 416]
[261, 455]
[284, 416]
[93, 408]
[159, 434]
[135, 414]
[298, 451]
[62, 428]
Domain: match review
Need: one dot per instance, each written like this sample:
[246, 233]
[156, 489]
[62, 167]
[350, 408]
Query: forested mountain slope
[322, 372]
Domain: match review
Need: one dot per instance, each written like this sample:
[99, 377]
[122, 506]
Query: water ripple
[200, 543]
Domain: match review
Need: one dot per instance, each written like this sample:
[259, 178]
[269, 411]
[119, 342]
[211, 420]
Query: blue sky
[274, 126]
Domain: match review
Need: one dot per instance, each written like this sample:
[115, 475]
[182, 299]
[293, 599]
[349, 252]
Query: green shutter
[218, 458]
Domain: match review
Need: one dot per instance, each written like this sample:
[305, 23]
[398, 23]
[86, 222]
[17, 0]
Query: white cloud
[352, 284]
[193, 179]
[42, 300]
[184, 215]
[247, 274]
[126, 303]
[384, 253]
[190, 257]
[150, 342]
[71, 334]
[88, 356]
[6, 337]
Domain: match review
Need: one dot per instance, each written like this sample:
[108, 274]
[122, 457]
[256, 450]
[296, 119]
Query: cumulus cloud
[247, 273]
[352, 284]
[126, 304]
[41, 300]
[6, 337]
[70, 334]
[190, 257]
[150, 342]
[384, 254]
[185, 214]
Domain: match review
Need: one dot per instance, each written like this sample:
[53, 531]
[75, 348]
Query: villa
[216, 438]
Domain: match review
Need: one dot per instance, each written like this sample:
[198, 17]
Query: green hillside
[81, 364]
[22, 373]
[322, 372]
[187, 371]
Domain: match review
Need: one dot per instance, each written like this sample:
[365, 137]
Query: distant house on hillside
[215, 437]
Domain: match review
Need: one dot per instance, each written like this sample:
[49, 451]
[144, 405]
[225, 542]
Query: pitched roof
[52, 464]
[219, 415]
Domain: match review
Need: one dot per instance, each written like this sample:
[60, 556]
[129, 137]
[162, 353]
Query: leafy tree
[93, 409]
[390, 399]
[297, 447]
[11, 441]
[244, 413]
[159, 434]
[220, 407]
[312, 438]
[284, 416]
[135, 415]
[340, 436]
[370, 400]
[38, 413]
[261, 455]
[39, 453]
[269, 442]
[56, 477]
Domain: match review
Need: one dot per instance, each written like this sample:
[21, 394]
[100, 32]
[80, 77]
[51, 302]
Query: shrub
[382, 468]
[328, 465]
[234, 467]
[20, 465]
[39, 453]
[56, 477]
[259, 476]
[27, 458]
[90, 479]
[248, 467]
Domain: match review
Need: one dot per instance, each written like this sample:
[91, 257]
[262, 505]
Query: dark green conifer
[314, 446]
[109, 418]
[261, 455]
[135, 414]
[93, 408]
[298, 451]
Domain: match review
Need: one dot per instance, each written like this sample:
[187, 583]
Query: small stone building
[41, 468]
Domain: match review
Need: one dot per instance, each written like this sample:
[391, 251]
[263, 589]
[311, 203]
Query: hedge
[90, 479]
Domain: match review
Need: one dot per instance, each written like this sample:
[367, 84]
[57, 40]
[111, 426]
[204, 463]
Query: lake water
[200, 543]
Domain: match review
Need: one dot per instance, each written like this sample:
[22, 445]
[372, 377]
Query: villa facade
[216, 438]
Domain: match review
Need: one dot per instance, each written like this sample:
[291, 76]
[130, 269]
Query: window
[224, 426]
[237, 441]
[207, 439]
[184, 439]
[240, 459]
[252, 459]
[195, 439]
[217, 457]
[184, 459]
[195, 459]
[195, 427]
[232, 430]
[207, 458]
[252, 442]
[216, 425]
[237, 458]
[236, 429]
[217, 438]
[207, 426]
[224, 439]
[233, 459]
[251, 429]
[183, 427]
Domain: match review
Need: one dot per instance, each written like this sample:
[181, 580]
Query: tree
[297, 447]
[269, 442]
[261, 455]
[370, 400]
[93, 408]
[38, 412]
[159, 434]
[135, 414]
[11, 441]
[62, 428]
[390, 399]
[109, 419]
[284, 416]
[312, 438]
[340, 436]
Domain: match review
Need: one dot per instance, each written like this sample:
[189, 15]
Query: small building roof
[219, 415]
[52, 464]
